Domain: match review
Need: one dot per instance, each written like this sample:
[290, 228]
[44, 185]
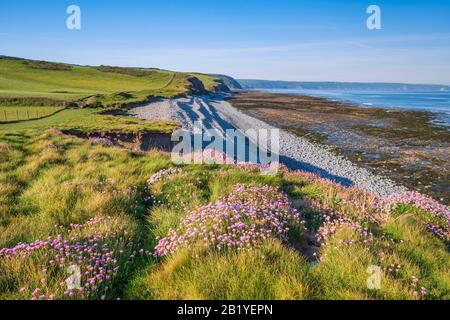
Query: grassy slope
[48, 179]
[30, 80]
[26, 85]
[18, 79]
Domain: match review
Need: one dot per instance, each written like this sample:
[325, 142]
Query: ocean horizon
[437, 102]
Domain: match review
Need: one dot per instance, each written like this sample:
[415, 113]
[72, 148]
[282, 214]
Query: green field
[29, 80]
[20, 80]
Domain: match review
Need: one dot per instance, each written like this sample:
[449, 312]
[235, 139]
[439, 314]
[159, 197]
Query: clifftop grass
[32, 80]
[48, 179]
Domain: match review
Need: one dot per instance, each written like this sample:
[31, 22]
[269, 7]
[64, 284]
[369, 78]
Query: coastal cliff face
[221, 84]
[228, 81]
[196, 86]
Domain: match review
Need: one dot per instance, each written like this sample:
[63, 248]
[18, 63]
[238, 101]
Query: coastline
[298, 153]
[402, 145]
[436, 101]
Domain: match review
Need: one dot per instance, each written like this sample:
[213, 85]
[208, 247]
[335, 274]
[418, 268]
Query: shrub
[135, 72]
[48, 65]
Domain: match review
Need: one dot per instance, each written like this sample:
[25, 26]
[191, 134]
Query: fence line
[10, 114]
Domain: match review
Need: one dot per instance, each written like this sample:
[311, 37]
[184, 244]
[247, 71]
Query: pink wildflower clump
[253, 167]
[422, 202]
[163, 174]
[98, 249]
[244, 219]
[334, 222]
[211, 156]
[313, 178]
[105, 141]
[418, 200]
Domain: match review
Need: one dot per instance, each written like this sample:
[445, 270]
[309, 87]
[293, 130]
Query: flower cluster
[162, 174]
[422, 202]
[414, 286]
[112, 187]
[333, 222]
[312, 178]
[105, 185]
[105, 141]
[211, 156]
[253, 167]
[245, 218]
[394, 268]
[95, 249]
[419, 200]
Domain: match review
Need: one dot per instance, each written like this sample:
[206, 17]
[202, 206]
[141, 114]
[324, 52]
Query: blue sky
[284, 40]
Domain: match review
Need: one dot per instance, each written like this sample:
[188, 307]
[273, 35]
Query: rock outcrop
[196, 86]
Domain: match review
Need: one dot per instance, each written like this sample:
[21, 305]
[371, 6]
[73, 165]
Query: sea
[437, 102]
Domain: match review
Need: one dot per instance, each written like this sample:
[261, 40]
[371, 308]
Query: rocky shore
[405, 146]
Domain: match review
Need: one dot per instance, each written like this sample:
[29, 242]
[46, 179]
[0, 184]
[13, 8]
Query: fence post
[4, 112]
[17, 114]
[28, 114]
